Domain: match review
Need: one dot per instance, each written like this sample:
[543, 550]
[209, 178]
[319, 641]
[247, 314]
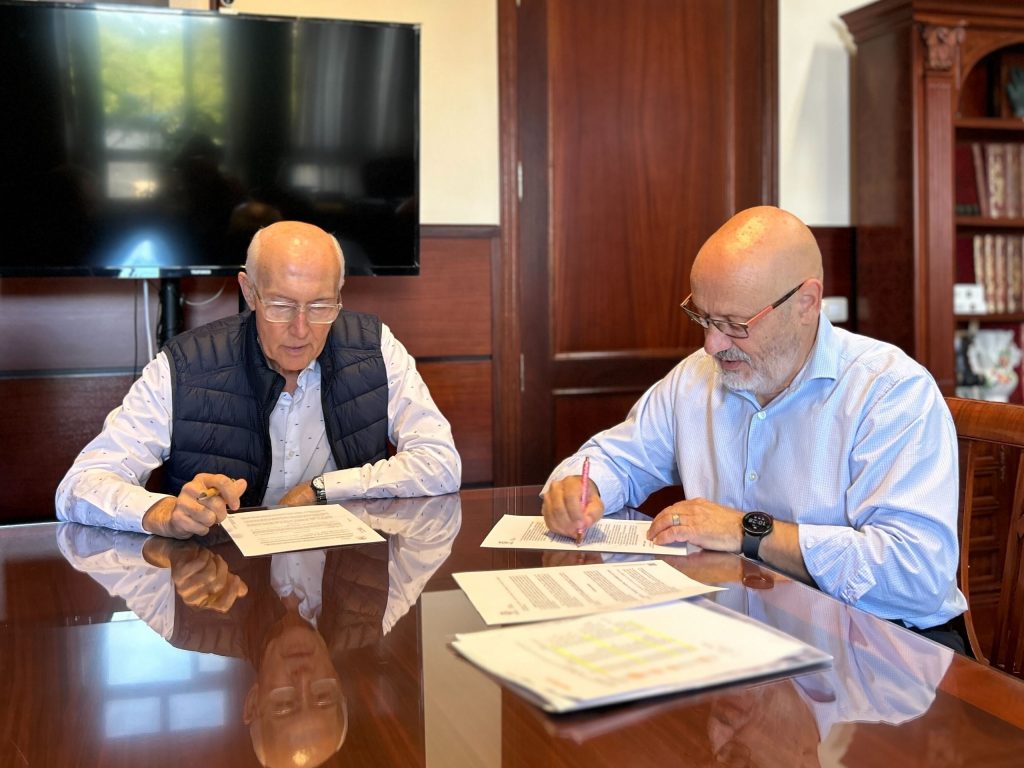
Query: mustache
[732, 355]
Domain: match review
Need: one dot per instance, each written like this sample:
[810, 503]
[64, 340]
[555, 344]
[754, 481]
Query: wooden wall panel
[462, 390]
[72, 324]
[584, 413]
[44, 423]
[625, 222]
[443, 311]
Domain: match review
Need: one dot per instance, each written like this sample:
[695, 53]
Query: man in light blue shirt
[828, 455]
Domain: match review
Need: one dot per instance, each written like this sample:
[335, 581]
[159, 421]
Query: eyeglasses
[286, 311]
[734, 330]
[323, 693]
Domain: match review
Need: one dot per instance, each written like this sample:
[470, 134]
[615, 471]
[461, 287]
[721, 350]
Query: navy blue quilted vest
[224, 392]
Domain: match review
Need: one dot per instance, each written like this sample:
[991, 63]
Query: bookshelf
[928, 91]
[989, 187]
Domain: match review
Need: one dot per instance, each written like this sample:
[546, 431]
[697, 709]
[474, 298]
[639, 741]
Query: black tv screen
[139, 142]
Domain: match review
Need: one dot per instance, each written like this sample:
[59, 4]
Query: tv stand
[170, 310]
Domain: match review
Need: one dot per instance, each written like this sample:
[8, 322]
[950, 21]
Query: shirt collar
[310, 375]
[823, 361]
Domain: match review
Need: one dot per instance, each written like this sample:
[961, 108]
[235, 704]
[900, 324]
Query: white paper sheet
[266, 532]
[623, 655]
[536, 594]
[607, 535]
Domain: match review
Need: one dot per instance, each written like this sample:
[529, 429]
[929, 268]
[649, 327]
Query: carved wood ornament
[943, 46]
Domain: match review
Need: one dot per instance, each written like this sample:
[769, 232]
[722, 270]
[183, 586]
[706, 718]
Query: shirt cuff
[831, 557]
[344, 483]
[130, 510]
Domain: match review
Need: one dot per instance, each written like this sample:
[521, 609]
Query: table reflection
[305, 621]
[880, 673]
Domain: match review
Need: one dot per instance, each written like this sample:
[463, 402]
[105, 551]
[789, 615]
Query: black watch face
[757, 523]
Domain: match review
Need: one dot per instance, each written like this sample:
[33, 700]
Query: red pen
[583, 495]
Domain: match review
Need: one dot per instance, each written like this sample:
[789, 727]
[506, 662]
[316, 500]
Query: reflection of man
[880, 674]
[296, 711]
[828, 455]
[292, 402]
[301, 618]
[747, 725]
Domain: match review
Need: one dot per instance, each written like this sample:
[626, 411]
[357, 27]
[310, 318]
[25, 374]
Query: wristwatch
[756, 525]
[317, 484]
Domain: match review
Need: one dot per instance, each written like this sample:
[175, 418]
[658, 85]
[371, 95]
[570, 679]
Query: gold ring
[675, 520]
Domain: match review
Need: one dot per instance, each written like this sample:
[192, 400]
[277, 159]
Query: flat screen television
[139, 142]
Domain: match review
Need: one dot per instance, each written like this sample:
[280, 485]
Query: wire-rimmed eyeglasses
[317, 313]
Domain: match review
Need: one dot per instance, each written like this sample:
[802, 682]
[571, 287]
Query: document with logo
[624, 655]
[536, 594]
[268, 531]
[606, 535]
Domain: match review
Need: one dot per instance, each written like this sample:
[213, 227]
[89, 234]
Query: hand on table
[701, 522]
[299, 496]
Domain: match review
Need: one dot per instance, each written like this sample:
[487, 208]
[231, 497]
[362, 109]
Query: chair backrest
[991, 440]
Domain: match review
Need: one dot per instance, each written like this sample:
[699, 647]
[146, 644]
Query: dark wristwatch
[317, 484]
[756, 525]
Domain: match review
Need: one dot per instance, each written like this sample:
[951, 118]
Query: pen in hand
[209, 493]
[583, 496]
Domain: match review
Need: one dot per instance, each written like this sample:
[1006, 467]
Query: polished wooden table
[118, 650]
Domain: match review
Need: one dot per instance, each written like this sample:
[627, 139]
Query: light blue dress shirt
[860, 450]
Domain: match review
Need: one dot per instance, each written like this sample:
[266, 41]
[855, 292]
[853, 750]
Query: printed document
[268, 531]
[624, 655]
[606, 535]
[537, 594]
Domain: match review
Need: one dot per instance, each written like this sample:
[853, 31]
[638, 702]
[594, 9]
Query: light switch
[836, 308]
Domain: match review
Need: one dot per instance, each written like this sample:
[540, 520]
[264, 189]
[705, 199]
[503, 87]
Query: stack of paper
[625, 655]
[636, 638]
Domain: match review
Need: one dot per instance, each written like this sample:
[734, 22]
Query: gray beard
[765, 379]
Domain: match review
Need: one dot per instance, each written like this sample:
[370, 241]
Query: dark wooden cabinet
[924, 77]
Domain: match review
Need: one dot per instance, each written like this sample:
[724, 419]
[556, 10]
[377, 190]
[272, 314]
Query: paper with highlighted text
[625, 655]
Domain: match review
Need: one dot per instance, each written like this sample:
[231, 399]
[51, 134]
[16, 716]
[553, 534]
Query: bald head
[291, 242]
[764, 249]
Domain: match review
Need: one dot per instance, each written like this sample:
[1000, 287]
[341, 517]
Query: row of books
[999, 267]
[990, 179]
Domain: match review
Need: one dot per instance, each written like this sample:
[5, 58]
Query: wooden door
[631, 130]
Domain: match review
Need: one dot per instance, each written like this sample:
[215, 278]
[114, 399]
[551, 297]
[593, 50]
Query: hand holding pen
[200, 504]
[572, 504]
